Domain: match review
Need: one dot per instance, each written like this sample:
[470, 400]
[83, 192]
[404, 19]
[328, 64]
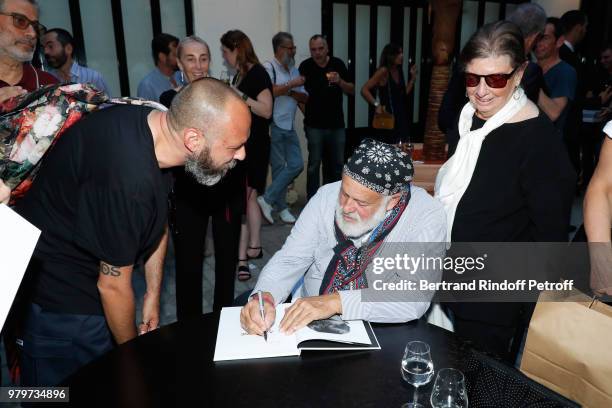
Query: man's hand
[297, 81]
[333, 77]
[306, 310]
[5, 193]
[250, 317]
[150, 313]
[9, 92]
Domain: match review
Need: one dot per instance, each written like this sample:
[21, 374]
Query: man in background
[326, 81]
[574, 24]
[58, 46]
[163, 76]
[559, 76]
[285, 153]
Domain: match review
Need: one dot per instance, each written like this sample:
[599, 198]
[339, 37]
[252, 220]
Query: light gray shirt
[155, 83]
[420, 231]
[285, 106]
[81, 75]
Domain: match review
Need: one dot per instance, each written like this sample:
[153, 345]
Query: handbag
[30, 124]
[568, 347]
[384, 119]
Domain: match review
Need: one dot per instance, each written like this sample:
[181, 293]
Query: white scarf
[455, 175]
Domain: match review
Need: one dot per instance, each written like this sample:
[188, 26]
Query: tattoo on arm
[110, 270]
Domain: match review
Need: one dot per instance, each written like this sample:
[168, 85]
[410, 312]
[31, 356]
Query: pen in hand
[261, 312]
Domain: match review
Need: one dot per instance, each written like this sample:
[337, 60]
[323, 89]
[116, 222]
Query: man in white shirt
[285, 153]
[347, 228]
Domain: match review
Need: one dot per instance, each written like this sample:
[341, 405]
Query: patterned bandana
[345, 270]
[381, 167]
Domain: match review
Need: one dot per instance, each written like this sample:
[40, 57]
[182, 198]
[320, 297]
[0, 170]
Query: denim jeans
[286, 163]
[327, 146]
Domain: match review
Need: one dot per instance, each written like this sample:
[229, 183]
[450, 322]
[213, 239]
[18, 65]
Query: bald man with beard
[100, 200]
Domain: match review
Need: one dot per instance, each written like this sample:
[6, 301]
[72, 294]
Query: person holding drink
[326, 81]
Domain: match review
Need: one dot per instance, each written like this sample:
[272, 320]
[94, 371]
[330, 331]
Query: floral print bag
[30, 124]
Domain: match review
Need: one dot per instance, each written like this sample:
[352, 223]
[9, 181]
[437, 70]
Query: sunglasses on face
[22, 22]
[492, 80]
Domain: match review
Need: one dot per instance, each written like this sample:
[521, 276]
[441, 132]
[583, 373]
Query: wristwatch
[245, 96]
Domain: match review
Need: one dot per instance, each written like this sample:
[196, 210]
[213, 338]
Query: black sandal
[259, 255]
[244, 274]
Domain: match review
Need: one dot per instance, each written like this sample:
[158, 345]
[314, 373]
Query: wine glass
[449, 390]
[417, 368]
[330, 75]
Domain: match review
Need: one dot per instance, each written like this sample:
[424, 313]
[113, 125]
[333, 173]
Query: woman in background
[254, 85]
[393, 93]
[192, 204]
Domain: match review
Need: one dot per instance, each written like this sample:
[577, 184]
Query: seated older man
[373, 212]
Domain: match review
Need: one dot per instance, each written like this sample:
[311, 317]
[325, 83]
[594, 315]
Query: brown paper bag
[569, 347]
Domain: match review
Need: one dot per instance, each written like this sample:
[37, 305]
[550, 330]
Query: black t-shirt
[253, 83]
[100, 196]
[521, 189]
[324, 106]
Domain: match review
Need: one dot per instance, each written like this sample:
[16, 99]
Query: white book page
[233, 343]
[17, 242]
[357, 334]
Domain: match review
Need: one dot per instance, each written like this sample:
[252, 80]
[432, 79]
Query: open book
[233, 343]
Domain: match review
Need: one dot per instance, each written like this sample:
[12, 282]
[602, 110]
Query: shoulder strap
[273, 72]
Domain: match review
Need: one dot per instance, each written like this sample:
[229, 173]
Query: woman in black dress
[509, 178]
[393, 93]
[255, 87]
[192, 204]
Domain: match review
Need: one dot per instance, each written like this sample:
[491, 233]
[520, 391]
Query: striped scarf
[345, 270]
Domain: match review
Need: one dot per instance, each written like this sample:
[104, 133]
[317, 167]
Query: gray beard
[360, 228]
[20, 55]
[200, 167]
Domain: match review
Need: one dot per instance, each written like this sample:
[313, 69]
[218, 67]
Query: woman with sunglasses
[509, 178]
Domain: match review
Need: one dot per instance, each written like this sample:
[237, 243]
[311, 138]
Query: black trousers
[55, 345]
[494, 328]
[193, 207]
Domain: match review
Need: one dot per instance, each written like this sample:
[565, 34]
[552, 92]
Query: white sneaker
[266, 209]
[287, 217]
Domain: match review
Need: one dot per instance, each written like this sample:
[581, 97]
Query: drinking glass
[224, 77]
[449, 390]
[417, 369]
[330, 75]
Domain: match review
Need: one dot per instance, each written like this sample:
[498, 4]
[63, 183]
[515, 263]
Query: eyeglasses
[492, 80]
[22, 22]
[288, 48]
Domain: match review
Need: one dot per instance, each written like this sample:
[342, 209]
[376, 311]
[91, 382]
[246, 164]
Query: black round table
[173, 367]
